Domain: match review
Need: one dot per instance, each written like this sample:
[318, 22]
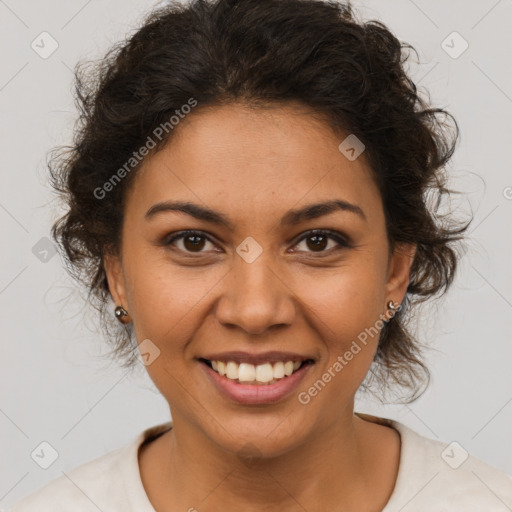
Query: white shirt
[432, 477]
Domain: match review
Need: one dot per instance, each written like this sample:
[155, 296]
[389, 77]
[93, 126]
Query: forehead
[245, 160]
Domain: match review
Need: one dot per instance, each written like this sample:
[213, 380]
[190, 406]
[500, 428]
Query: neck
[339, 468]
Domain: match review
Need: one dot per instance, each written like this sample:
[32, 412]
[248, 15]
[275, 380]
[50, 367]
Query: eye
[319, 240]
[191, 241]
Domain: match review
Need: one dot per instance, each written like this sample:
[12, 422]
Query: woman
[251, 187]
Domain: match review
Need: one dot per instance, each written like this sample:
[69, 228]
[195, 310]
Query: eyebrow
[293, 217]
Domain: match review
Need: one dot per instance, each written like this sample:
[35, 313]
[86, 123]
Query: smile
[247, 373]
[252, 379]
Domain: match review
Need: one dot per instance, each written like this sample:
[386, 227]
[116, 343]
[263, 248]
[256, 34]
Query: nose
[255, 297]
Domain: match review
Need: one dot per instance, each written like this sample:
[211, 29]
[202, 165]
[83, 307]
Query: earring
[393, 308]
[120, 312]
[391, 305]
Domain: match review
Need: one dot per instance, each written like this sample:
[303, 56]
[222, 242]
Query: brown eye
[191, 241]
[318, 241]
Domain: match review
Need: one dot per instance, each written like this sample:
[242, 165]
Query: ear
[399, 269]
[115, 277]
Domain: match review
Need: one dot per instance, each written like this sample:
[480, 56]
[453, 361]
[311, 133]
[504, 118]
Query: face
[262, 280]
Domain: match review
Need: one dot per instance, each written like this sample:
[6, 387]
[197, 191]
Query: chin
[264, 436]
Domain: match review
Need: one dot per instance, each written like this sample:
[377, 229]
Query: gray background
[55, 387]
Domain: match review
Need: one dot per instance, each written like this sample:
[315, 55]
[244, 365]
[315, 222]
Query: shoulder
[437, 476]
[110, 482]
[84, 488]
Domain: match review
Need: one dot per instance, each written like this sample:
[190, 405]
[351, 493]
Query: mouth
[250, 379]
[263, 374]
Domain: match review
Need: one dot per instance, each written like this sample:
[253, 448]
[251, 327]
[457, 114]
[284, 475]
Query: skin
[254, 165]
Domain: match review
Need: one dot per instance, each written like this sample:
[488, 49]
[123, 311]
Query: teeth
[246, 372]
[263, 373]
[278, 370]
[232, 370]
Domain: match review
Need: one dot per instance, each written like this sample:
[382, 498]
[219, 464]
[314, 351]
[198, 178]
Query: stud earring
[393, 308]
[120, 312]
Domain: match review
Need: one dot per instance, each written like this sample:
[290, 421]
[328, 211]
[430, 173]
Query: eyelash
[333, 235]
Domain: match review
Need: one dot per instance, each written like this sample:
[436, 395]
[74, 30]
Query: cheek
[162, 299]
[348, 311]
[353, 296]
[167, 309]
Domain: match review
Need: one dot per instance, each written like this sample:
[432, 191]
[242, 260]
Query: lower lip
[256, 393]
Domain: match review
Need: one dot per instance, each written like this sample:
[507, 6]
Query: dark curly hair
[262, 53]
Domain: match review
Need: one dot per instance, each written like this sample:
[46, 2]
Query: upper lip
[255, 359]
